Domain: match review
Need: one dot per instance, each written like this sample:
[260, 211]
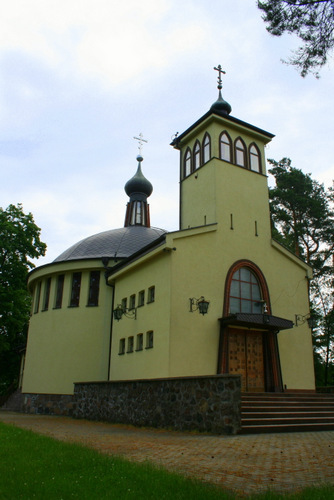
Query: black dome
[116, 243]
[221, 106]
[138, 183]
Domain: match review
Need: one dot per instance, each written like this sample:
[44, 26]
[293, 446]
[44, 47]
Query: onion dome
[221, 106]
[138, 184]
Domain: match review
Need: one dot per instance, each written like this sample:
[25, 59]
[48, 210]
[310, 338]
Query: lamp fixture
[121, 311]
[300, 320]
[200, 304]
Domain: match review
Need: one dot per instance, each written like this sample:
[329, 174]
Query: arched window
[254, 158]
[187, 163]
[245, 292]
[225, 147]
[240, 153]
[206, 148]
[197, 155]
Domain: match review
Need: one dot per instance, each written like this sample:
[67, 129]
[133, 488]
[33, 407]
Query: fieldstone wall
[48, 404]
[207, 404]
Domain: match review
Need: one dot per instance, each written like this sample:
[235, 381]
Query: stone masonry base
[205, 404]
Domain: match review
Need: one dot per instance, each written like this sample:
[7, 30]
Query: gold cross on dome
[140, 140]
[220, 71]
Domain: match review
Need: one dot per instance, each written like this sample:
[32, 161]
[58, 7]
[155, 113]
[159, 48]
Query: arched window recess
[225, 147]
[206, 148]
[197, 155]
[247, 300]
[240, 153]
[255, 158]
[187, 163]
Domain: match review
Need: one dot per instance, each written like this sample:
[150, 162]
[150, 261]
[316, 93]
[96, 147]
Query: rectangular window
[59, 291]
[149, 340]
[75, 292]
[151, 294]
[37, 297]
[94, 287]
[121, 346]
[124, 304]
[132, 303]
[130, 344]
[46, 299]
[141, 298]
[140, 342]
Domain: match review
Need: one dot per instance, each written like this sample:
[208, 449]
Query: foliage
[302, 215]
[19, 241]
[311, 20]
[303, 220]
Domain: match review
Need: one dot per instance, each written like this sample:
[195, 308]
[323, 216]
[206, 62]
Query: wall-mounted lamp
[300, 320]
[200, 304]
[121, 311]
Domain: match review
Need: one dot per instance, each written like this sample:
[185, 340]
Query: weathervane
[220, 71]
[140, 140]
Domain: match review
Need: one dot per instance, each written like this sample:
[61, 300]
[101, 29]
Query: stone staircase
[286, 412]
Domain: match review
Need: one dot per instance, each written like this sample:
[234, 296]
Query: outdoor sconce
[120, 311]
[300, 320]
[200, 304]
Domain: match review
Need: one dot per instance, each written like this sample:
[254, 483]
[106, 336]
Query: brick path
[245, 464]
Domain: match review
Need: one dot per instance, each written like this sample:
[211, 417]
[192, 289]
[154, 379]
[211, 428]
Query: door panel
[245, 357]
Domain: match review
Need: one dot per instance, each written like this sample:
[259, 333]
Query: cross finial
[140, 140]
[220, 71]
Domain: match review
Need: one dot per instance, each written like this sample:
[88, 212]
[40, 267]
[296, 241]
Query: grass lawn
[38, 467]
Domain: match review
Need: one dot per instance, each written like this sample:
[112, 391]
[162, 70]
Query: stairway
[286, 412]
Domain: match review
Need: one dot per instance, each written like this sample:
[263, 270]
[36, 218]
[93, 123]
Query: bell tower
[222, 172]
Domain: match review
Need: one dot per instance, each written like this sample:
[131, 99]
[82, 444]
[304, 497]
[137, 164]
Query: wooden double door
[246, 358]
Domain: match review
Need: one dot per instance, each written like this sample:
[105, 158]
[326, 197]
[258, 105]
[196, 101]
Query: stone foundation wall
[207, 404]
[48, 404]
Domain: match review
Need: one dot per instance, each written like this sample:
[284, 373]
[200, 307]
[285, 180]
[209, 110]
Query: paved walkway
[245, 464]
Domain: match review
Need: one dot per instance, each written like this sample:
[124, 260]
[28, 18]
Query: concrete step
[286, 412]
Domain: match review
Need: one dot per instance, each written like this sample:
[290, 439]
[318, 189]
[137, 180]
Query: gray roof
[116, 243]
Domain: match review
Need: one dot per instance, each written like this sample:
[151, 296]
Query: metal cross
[140, 141]
[220, 71]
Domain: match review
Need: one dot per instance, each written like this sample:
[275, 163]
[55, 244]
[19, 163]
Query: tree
[311, 20]
[303, 220]
[302, 215]
[19, 241]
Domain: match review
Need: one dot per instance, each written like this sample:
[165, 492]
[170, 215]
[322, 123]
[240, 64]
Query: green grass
[38, 467]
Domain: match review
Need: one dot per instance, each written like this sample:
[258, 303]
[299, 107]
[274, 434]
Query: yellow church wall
[200, 266]
[194, 337]
[289, 297]
[68, 344]
[154, 316]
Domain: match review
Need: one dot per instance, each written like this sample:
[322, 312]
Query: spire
[220, 107]
[138, 188]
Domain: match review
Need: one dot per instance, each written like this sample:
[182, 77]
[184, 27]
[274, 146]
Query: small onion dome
[221, 106]
[138, 183]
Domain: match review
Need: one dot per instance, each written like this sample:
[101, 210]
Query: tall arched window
[245, 292]
[254, 158]
[206, 148]
[187, 163]
[197, 155]
[240, 153]
[225, 147]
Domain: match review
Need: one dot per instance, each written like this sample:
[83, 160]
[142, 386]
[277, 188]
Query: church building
[217, 296]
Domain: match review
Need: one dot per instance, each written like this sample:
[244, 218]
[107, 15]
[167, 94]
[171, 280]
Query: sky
[79, 79]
